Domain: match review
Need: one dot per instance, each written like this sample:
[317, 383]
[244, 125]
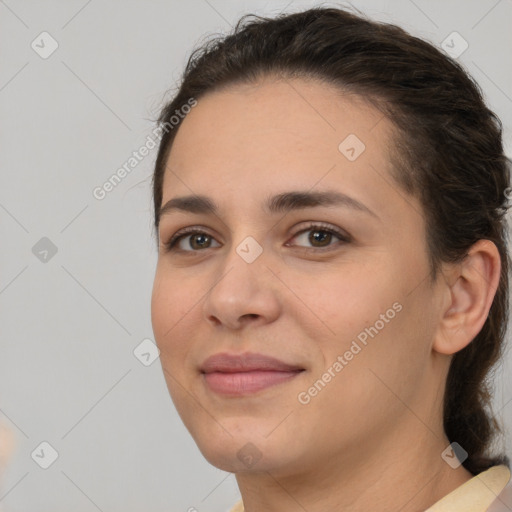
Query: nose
[242, 293]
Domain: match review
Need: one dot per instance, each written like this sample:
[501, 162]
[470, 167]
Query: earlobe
[470, 292]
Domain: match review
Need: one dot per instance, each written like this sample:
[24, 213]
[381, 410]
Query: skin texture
[372, 438]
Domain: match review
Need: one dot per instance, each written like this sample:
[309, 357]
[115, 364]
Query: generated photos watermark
[304, 397]
[101, 191]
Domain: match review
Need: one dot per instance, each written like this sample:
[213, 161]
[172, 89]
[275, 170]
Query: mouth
[236, 375]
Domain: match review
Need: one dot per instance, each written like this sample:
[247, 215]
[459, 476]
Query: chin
[246, 451]
[245, 460]
[242, 442]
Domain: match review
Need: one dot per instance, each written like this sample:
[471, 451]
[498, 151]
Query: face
[333, 283]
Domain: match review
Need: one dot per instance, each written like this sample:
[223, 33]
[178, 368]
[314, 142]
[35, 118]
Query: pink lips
[245, 373]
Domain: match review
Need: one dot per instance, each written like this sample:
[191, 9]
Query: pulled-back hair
[447, 152]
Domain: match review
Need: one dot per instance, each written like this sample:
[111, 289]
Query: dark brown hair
[447, 151]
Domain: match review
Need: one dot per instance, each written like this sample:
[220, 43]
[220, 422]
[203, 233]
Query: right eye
[198, 240]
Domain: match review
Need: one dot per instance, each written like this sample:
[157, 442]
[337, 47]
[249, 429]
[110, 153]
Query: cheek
[367, 314]
[386, 357]
[170, 305]
[371, 369]
[343, 300]
[169, 308]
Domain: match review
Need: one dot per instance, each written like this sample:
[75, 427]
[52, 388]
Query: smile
[246, 382]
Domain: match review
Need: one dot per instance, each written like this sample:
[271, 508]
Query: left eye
[320, 235]
[198, 239]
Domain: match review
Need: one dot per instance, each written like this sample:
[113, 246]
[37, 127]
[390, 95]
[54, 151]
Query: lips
[231, 363]
[240, 374]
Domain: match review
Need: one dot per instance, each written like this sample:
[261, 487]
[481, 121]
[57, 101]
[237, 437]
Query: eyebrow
[280, 203]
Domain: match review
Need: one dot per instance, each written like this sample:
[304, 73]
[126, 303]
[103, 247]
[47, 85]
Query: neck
[404, 472]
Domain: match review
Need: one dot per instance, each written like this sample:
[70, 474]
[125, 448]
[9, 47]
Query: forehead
[246, 121]
[280, 134]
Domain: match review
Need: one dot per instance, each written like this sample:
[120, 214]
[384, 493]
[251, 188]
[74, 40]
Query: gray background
[69, 326]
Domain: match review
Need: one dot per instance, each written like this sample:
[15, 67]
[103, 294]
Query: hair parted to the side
[447, 151]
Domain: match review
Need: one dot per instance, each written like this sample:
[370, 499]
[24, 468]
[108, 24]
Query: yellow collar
[476, 495]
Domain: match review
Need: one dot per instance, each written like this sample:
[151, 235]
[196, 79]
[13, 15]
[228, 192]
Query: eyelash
[344, 238]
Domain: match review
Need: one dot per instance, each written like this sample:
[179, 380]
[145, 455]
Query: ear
[469, 290]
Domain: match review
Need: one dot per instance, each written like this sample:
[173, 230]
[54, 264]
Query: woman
[332, 281]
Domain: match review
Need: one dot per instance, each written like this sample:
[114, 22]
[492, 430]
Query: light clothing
[490, 491]
[480, 494]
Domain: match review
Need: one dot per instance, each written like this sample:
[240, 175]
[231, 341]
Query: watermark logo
[44, 250]
[249, 249]
[146, 352]
[454, 45]
[44, 455]
[351, 147]
[249, 454]
[44, 45]
[454, 455]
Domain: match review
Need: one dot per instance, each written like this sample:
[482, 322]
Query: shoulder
[503, 501]
[482, 493]
[239, 507]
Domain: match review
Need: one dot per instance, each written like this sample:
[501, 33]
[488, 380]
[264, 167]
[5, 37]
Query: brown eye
[197, 240]
[320, 236]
